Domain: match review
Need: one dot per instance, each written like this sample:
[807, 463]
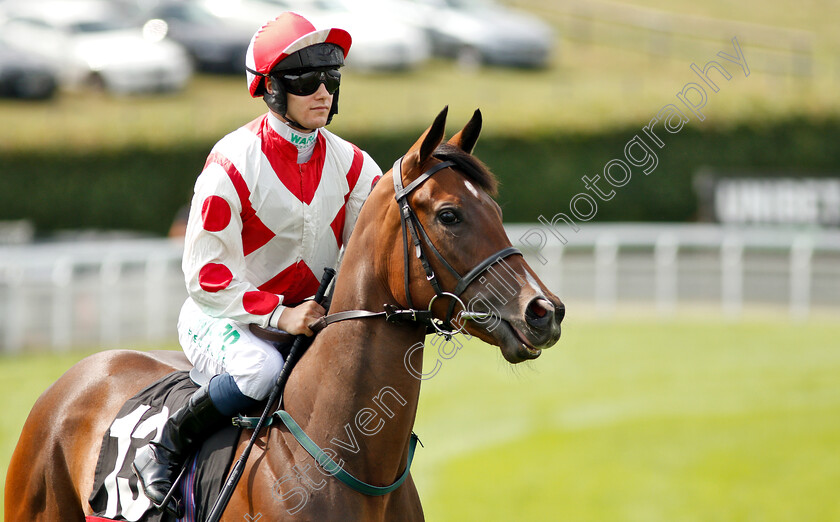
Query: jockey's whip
[239, 467]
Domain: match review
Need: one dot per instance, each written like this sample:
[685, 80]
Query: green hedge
[141, 189]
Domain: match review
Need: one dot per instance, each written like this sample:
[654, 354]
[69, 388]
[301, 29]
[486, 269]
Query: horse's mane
[470, 166]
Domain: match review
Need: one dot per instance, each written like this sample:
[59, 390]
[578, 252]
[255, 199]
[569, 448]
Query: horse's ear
[466, 139]
[428, 142]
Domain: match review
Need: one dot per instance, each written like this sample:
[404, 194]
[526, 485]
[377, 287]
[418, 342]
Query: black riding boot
[158, 465]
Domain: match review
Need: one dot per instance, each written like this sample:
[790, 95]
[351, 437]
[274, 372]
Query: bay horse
[351, 367]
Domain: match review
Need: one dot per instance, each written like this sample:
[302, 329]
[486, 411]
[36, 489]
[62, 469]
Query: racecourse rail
[128, 292]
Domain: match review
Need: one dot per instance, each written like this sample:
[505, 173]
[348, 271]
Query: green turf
[622, 421]
[639, 422]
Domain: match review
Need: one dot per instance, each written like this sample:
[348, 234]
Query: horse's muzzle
[542, 322]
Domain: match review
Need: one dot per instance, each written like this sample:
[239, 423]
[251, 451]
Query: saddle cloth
[116, 492]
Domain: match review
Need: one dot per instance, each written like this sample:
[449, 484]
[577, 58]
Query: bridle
[411, 226]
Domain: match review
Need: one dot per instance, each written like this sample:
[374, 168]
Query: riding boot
[158, 465]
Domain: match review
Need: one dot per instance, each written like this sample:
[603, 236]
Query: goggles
[307, 83]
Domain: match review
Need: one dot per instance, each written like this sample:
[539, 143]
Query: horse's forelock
[470, 166]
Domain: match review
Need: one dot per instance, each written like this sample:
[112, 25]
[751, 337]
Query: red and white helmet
[278, 39]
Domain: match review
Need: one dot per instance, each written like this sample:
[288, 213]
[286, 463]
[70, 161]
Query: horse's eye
[448, 217]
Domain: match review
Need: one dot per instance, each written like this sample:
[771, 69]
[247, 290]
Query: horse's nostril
[560, 313]
[539, 311]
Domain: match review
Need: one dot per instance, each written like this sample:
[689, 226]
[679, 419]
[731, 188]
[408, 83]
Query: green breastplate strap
[328, 464]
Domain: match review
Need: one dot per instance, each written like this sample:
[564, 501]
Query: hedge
[141, 189]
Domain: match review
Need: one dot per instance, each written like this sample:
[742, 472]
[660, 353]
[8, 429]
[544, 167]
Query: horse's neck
[353, 393]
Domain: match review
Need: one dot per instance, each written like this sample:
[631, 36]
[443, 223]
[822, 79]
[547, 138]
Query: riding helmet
[291, 42]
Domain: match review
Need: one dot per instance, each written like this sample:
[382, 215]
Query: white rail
[94, 293]
[666, 265]
[129, 292]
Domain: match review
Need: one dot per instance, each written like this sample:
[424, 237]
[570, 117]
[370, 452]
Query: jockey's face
[311, 111]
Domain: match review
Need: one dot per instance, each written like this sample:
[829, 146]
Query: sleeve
[214, 260]
[370, 174]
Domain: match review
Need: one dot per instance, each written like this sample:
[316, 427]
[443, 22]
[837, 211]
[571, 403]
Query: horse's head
[451, 223]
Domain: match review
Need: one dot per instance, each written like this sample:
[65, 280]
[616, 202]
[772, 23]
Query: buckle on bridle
[396, 315]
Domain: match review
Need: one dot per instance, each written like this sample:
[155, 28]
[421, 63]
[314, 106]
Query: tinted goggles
[307, 83]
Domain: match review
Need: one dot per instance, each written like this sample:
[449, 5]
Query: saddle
[116, 493]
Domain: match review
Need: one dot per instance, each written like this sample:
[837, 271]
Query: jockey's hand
[296, 320]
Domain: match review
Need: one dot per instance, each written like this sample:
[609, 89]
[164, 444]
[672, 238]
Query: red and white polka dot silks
[263, 227]
[279, 38]
[214, 277]
[215, 213]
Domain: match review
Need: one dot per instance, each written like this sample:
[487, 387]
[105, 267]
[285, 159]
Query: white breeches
[216, 346]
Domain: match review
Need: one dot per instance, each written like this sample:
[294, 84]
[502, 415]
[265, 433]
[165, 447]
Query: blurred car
[477, 31]
[380, 40]
[24, 76]
[215, 44]
[93, 42]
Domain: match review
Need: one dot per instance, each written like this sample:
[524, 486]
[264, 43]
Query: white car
[89, 42]
[477, 32]
[380, 41]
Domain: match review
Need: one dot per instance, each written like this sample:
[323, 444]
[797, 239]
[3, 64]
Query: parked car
[215, 44]
[24, 76]
[476, 31]
[94, 42]
[380, 40]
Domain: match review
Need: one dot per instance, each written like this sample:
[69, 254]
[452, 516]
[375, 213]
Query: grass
[639, 422]
[622, 421]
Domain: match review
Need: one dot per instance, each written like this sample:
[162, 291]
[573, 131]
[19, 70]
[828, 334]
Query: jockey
[275, 203]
